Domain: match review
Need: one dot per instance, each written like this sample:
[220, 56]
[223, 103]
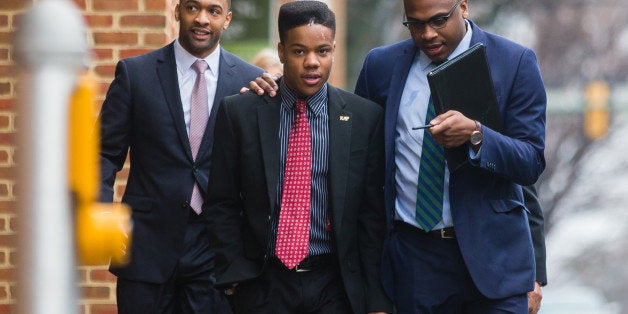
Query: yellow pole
[102, 230]
[83, 145]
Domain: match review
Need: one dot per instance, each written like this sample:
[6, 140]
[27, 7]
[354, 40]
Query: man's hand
[265, 83]
[451, 129]
[534, 299]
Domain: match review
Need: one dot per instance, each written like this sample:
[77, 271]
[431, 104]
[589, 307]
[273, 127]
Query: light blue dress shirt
[408, 142]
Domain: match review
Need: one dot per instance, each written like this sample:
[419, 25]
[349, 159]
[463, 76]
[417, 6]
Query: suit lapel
[268, 122]
[402, 65]
[339, 149]
[478, 35]
[167, 73]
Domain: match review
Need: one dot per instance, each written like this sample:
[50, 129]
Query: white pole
[51, 49]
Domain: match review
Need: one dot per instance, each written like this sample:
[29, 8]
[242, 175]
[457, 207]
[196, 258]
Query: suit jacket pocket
[139, 203]
[505, 205]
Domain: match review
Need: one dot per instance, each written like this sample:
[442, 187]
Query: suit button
[268, 218]
[185, 205]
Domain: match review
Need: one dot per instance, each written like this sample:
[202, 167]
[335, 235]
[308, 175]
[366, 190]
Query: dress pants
[189, 290]
[430, 277]
[282, 291]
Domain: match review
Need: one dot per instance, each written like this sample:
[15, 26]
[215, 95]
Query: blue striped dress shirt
[318, 117]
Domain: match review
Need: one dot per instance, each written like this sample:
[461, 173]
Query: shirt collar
[464, 44]
[185, 59]
[316, 102]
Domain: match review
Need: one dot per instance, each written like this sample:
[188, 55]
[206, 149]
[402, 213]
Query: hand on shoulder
[265, 83]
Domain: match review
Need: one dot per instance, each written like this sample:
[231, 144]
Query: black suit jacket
[244, 176]
[143, 112]
[537, 230]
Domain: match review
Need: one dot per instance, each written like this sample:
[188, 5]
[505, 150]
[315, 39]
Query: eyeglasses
[437, 22]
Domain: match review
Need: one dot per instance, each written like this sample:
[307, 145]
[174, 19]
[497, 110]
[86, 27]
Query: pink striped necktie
[199, 114]
[293, 234]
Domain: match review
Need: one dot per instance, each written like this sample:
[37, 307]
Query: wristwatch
[476, 136]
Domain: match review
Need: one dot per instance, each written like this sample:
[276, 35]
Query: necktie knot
[200, 66]
[301, 105]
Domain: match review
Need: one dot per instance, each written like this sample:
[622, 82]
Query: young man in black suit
[149, 111]
[335, 192]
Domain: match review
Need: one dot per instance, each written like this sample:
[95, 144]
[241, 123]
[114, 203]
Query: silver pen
[427, 126]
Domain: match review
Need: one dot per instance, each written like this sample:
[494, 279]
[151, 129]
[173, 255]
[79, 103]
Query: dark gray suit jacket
[143, 113]
[244, 174]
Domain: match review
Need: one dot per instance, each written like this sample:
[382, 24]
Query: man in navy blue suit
[477, 255]
[147, 112]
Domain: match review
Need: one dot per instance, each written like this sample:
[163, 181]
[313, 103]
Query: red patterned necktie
[293, 234]
[199, 114]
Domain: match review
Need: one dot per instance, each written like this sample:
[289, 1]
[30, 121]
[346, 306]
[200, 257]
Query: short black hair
[296, 13]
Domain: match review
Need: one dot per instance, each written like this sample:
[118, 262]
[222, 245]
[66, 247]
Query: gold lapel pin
[344, 118]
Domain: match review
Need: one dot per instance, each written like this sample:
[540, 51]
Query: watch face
[476, 137]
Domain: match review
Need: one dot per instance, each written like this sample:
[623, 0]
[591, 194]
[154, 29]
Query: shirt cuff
[474, 157]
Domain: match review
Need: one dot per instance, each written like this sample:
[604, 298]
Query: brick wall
[116, 29]
[9, 10]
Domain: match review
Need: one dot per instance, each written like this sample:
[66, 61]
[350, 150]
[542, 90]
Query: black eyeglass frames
[437, 22]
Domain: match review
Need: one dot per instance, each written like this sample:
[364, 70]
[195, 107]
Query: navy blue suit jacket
[143, 112]
[486, 199]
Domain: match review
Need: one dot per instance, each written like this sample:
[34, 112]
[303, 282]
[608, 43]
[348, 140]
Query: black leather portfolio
[464, 84]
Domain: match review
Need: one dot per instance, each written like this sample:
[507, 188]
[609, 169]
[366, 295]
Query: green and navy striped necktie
[429, 205]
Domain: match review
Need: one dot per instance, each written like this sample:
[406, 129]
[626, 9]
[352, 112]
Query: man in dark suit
[537, 230]
[478, 258]
[340, 168]
[149, 110]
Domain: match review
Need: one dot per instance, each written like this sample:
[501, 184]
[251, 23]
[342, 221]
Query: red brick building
[116, 29]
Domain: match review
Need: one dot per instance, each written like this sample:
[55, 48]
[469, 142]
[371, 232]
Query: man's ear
[176, 12]
[465, 9]
[280, 52]
[227, 20]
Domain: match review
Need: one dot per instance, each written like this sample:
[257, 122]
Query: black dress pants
[283, 291]
[189, 290]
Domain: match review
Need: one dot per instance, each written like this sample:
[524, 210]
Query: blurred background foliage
[570, 37]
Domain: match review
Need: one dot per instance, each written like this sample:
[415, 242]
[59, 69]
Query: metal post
[51, 50]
